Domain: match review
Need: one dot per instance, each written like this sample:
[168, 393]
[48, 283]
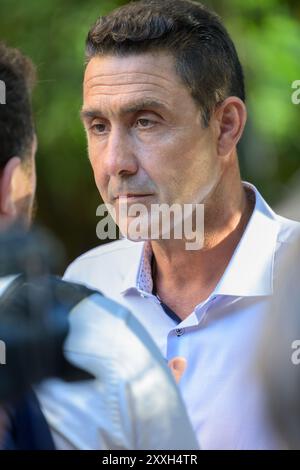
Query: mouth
[131, 197]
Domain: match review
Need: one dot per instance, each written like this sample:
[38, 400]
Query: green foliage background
[52, 33]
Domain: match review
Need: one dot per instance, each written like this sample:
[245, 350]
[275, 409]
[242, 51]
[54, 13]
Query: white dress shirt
[219, 338]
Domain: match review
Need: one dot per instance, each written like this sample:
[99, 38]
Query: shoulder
[116, 249]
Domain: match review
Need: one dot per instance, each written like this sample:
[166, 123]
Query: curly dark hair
[17, 75]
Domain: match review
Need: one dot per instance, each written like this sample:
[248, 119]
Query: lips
[131, 196]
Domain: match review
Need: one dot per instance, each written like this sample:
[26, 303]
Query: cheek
[188, 168]
[99, 179]
[92, 153]
[170, 164]
[199, 157]
[161, 155]
[95, 161]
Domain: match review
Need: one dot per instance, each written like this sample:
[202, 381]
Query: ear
[7, 206]
[231, 118]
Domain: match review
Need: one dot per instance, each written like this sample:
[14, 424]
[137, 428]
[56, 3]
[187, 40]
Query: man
[24, 421]
[164, 110]
[133, 403]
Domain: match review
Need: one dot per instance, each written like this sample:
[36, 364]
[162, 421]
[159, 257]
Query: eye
[145, 123]
[98, 128]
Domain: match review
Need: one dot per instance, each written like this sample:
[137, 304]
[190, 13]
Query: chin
[135, 230]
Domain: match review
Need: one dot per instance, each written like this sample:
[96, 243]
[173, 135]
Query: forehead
[112, 81]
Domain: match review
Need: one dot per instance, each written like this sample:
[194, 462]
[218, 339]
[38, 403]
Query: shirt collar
[250, 270]
[132, 279]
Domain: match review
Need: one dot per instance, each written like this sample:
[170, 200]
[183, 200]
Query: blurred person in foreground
[164, 110]
[24, 425]
[133, 402]
[279, 356]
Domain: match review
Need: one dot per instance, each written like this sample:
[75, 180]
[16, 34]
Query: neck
[226, 213]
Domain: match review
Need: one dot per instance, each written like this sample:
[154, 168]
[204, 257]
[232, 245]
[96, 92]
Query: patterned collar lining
[144, 280]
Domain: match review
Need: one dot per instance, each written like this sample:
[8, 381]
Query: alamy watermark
[2, 92]
[295, 357]
[296, 93]
[2, 353]
[159, 222]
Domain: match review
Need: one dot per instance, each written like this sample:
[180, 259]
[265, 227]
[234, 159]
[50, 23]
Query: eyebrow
[128, 109]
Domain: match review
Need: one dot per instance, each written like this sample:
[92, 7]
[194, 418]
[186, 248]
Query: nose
[119, 158]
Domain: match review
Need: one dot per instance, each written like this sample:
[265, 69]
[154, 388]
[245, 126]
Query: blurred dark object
[34, 312]
[33, 254]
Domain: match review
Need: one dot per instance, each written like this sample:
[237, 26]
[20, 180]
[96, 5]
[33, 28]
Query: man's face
[145, 134]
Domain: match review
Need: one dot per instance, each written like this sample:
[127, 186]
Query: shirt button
[179, 331]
